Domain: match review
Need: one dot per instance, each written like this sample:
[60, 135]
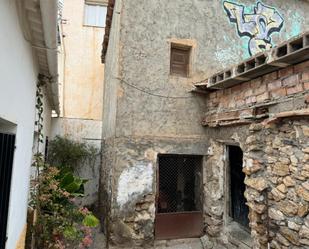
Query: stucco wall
[17, 104]
[147, 29]
[84, 72]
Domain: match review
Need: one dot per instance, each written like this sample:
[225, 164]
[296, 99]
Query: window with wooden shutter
[180, 60]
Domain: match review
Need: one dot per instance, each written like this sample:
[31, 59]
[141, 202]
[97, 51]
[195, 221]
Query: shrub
[69, 154]
[60, 222]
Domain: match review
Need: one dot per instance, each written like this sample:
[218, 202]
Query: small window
[180, 60]
[95, 15]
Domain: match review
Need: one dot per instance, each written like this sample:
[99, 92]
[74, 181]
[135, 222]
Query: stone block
[288, 207]
[290, 235]
[258, 183]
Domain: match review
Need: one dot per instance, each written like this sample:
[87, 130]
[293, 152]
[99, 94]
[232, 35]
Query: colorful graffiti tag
[258, 26]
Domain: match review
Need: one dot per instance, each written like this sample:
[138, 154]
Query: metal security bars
[179, 197]
[179, 183]
[7, 145]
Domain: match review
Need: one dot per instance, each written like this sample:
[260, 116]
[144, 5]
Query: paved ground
[179, 244]
[99, 241]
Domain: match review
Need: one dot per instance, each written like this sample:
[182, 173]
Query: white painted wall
[18, 72]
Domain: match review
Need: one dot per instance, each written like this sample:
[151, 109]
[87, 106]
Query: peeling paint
[133, 182]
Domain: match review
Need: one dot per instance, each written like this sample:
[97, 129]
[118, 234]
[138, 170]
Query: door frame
[227, 187]
[194, 231]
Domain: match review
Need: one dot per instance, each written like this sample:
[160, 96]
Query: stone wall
[276, 165]
[260, 116]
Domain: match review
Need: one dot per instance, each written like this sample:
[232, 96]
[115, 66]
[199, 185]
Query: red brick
[240, 102]
[213, 95]
[307, 99]
[256, 82]
[262, 97]
[240, 95]
[261, 89]
[270, 77]
[250, 100]
[306, 86]
[286, 72]
[295, 89]
[232, 104]
[305, 76]
[228, 115]
[277, 93]
[219, 93]
[274, 84]
[227, 91]
[291, 80]
[246, 85]
[238, 88]
[301, 67]
[248, 92]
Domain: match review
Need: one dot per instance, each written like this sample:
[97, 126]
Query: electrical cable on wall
[153, 94]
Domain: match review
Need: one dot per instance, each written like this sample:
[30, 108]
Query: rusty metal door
[179, 197]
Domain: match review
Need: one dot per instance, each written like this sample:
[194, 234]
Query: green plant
[61, 224]
[66, 154]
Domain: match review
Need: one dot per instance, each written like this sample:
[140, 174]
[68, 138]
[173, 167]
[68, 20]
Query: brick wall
[243, 102]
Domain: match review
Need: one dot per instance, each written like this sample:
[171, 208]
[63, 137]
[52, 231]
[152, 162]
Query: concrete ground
[179, 244]
[99, 241]
[203, 243]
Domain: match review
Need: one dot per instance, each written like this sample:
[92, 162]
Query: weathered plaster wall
[162, 116]
[83, 72]
[134, 185]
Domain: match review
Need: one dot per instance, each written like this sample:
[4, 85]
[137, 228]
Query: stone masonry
[275, 156]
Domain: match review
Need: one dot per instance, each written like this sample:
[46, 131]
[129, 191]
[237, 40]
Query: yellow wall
[83, 70]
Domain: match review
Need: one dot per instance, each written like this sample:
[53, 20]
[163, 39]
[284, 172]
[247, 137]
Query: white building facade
[28, 48]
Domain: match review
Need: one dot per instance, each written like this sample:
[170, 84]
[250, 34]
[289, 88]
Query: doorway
[179, 197]
[238, 210]
[7, 147]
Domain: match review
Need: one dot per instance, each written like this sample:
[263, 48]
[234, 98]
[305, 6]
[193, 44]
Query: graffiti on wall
[258, 26]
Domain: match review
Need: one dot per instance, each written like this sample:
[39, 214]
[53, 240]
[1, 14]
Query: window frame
[181, 47]
[88, 3]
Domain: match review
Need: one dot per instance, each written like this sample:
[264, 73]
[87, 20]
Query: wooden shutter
[180, 61]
